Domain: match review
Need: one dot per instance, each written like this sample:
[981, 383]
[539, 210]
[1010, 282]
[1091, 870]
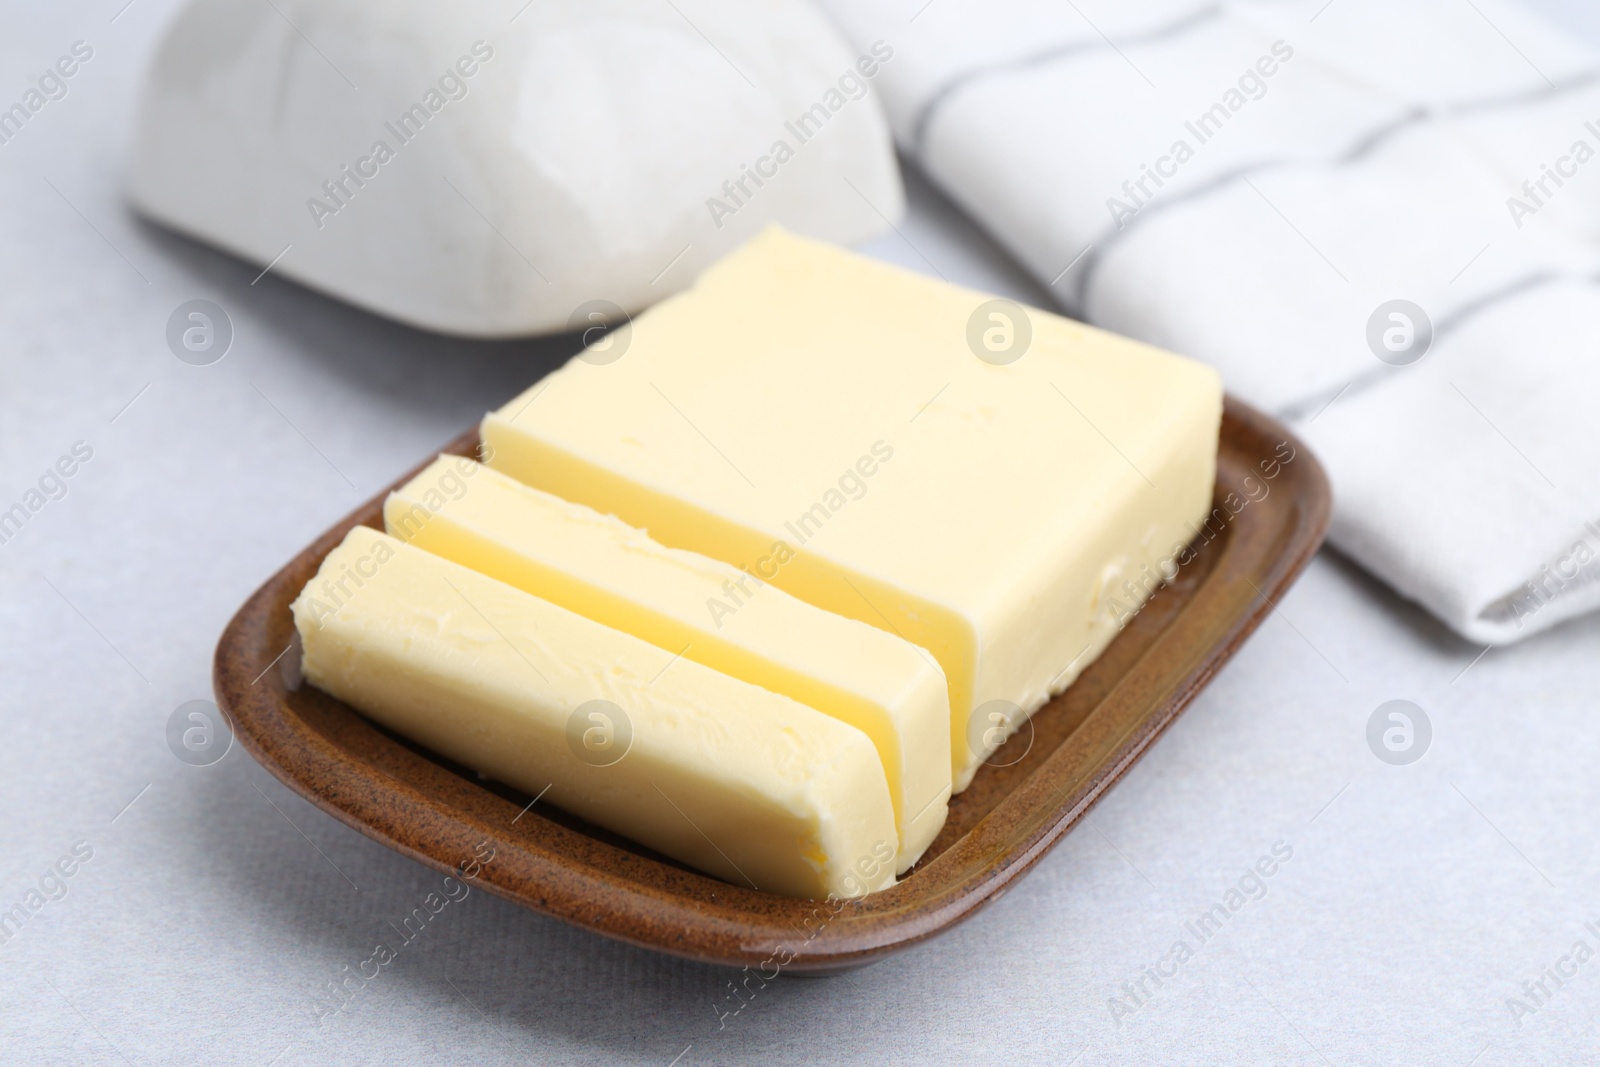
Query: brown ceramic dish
[436, 812]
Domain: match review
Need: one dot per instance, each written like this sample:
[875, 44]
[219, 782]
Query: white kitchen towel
[1380, 221]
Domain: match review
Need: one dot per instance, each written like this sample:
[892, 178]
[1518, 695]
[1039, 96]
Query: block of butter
[1001, 486]
[702, 610]
[745, 784]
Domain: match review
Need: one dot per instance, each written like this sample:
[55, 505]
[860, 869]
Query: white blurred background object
[475, 176]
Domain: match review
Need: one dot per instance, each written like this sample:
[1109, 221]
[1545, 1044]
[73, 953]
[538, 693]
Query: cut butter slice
[702, 610]
[750, 786]
[1001, 486]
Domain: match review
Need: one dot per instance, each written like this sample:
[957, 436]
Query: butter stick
[747, 785]
[702, 610]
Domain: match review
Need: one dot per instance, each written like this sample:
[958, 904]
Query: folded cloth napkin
[1379, 220]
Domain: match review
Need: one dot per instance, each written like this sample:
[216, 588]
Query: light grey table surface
[217, 904]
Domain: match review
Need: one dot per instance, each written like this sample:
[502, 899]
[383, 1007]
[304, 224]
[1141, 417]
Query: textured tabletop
[1432, 913]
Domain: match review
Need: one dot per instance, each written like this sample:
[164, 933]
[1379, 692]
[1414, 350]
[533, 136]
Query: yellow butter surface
[748, 785]
[1001, 486]
[700, 610]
